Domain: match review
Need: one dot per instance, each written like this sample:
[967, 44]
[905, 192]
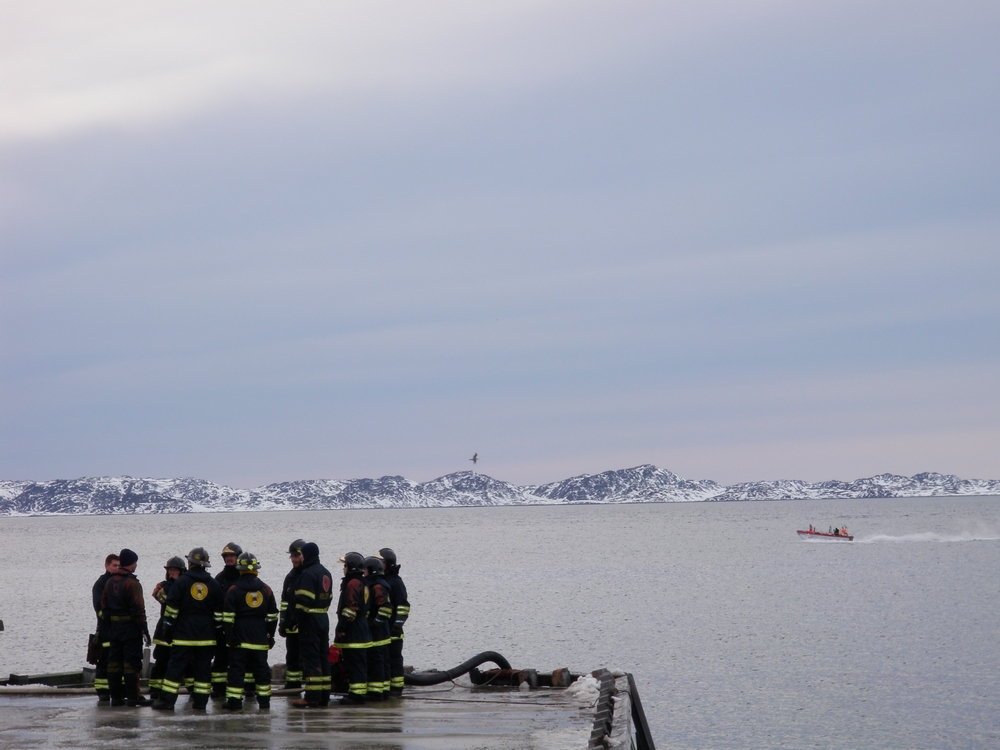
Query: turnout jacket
[379, 610]
[193, 610]
[227, 577]
[161, 597]
[122, 605]
[400, 604]
[287, 622]
[352, 612]
[250, 614]
[313, 590]
[97, 594]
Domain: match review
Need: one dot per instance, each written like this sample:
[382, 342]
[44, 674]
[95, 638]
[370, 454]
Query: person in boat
[103, 630]
[836, 532]
[843, 531]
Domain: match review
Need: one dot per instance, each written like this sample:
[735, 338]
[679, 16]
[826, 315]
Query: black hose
[437, 677]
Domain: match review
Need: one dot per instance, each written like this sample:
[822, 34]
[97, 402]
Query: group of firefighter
[213, 634]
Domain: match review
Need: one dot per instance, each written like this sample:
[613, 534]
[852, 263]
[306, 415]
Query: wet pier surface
[435, 718]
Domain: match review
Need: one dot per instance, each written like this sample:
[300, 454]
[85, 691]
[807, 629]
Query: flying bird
[475, 457]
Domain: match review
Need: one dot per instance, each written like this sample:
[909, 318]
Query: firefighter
[192, 625]
[400, 613]
[249, 617]
[161, 648]
[313, 593]
[124, 610]
[287, 626]
[379, 615]
[353, 636]
[226, 577]
[103, 631]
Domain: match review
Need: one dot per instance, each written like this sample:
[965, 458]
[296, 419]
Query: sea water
[739, 634]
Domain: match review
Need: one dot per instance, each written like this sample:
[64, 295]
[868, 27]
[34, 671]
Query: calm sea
[739, 634]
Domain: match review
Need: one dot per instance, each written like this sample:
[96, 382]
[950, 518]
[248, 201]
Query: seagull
[475, 457]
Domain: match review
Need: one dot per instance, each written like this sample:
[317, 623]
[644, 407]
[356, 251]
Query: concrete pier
[443, 717]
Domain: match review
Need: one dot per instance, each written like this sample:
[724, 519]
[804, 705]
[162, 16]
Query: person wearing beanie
[123, 608]
[313, 594]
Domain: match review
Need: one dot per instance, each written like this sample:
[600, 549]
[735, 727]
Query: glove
[282, 632]
[146, 639]
[270, 642]
[340, 636]
[396, 629]
[167, 631]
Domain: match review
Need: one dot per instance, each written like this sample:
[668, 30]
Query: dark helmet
[198, 558]
[247, 561]
[387, 555]
[295, 548]
[175, 562]
[232, 549]
[374, 564]
[353, 561]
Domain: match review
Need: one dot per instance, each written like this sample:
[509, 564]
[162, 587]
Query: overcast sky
[254, 242]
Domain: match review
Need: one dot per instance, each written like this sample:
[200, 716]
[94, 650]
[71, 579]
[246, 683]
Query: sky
[256, 242]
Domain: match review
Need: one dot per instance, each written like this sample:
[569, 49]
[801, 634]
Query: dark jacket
[352, 612]
[123, 607]
[250, 614]
[161, 597]
[400, 604]
[379, 610]
[288, 622]
[313, 591]
[97, 593]
[193, 611]
[227, 577]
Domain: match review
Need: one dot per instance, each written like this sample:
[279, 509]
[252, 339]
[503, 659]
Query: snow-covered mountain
[641, 484]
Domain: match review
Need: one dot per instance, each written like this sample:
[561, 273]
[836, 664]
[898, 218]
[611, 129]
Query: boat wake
[933, 536]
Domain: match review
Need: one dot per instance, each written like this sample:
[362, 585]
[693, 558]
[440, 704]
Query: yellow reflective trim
[254, 646]
[303, 592]
[366, 644]
[194, 643]
[385, 642]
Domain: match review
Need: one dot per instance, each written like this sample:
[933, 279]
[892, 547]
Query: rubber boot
[352, 699]
[134, 698]
[324, 698]
[263, 704]
[166, 701]
[199, 702]
[115, 689]
[233, 704]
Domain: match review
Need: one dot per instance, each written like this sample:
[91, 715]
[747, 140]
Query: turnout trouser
[124, 661]
[396, 663]
[314, 653]
[244, 661]
[293, 666]
[356, 666]
[182, 658]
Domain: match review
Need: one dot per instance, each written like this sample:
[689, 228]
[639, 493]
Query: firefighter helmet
[175, 562]
[374, 564]
[198, 558]
[387, 555]
[232, 549]
[295, 548]
[247, 561]
[353, 561]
